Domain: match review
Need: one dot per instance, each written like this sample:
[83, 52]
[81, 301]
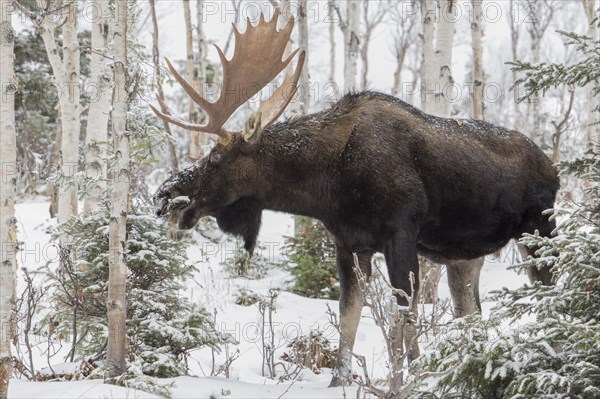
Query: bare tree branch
[561, 127]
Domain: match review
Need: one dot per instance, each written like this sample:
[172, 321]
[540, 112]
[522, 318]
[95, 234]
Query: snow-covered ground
[215, 289]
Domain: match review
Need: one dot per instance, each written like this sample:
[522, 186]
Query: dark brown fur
[383, 177]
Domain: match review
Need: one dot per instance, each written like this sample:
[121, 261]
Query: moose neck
[298, 160]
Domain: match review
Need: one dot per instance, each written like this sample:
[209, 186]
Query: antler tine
[167, 115]
[273, 107]
[194, 95]
[256, 61]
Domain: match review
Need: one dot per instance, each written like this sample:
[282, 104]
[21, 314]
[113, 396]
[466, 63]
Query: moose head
[219, 185]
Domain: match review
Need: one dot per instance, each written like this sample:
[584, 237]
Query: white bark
[410, 96]
[444, 42]
[67, 199]
[370, 22]
[189, 51]
[438, 40]
[437, 85]
[429, 16]
[476, 35]
[404, 37]
[97, 127]
[46, 29]
[8, 176]
[303, 44]
[285, 12]
[331, 11]
[515, 34]
[158, 79]
[397, 86]
[200, 139]
[351, 45]
[543, 12]
[593, 119]
[65, 72]
[285, 9]
[119, 174]
[195, 147]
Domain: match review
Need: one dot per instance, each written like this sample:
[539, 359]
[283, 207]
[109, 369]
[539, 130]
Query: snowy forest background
[204, 320]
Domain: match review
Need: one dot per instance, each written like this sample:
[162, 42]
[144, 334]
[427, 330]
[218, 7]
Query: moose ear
[252, 128]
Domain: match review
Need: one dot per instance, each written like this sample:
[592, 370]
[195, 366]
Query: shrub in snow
[313, 264]
[246, 297]
[241, 264]
[162, 325]
[313, 352]
[65, 372]
[558, 353]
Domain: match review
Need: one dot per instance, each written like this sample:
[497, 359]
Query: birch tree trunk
[593, 119]
[285, 12]
[97, 127]
[300, 103]
[444, 42]
[158, 79]
[404, 36]
[200, 139]
[195, 147]
[428, 291]
[54, 159]
[295, 107]
[66, 72]
[437, 84]
[476, 35]
[515, 34]
[400, 55]
[370, 23]
[189, 61]
[429, 16]
[67, 199]
[303, 44]
[533, 107]
[542, 13]
[351, 45]
[46, 28]
[8, 176]
[331, 11]
[119, 174]
[364, 48]
[478, 78]
[416, 72]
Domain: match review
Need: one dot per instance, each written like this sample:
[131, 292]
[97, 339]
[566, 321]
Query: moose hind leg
[463, 281]
[351, 299]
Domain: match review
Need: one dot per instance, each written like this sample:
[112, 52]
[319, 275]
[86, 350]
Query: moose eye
[215, 157]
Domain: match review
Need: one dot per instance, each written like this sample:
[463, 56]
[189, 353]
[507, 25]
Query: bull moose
[380, 174]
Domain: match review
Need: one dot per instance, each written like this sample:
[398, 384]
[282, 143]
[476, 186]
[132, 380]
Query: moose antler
[256, 61]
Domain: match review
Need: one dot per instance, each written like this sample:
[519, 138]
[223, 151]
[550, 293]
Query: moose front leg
[351, 298]
[402, 260]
